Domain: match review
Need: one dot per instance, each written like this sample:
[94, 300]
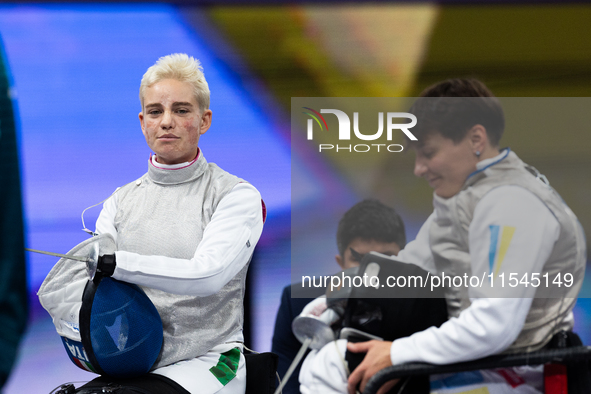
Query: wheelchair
[567, 354]
[260, 372]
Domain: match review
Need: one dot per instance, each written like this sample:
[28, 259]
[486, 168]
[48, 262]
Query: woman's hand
[376, 359]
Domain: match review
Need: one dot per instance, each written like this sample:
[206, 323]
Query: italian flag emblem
[78, 354]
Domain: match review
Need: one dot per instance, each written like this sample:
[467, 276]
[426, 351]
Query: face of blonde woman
[172, 121]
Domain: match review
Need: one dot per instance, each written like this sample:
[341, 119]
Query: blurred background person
[13, 272]
[368, 226]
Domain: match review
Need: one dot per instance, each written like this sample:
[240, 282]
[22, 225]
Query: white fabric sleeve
[227, 245]
[418, 251]
[490, 325]
[106, 220]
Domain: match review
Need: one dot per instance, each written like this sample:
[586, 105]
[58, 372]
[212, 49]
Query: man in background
[368, 226]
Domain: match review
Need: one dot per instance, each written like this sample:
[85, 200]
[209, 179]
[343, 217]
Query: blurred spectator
[367, 226]
[13, 274]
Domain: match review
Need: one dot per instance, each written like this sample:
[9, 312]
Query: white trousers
[323, 371]
[209, 374]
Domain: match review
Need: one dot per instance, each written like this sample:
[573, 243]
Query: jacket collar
[178, 174]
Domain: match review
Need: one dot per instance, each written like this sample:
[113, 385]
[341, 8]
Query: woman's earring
[478, 153]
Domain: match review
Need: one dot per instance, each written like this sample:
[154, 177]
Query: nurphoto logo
[344, 132]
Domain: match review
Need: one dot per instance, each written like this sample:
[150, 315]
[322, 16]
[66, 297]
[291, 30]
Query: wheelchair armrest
[499, 361]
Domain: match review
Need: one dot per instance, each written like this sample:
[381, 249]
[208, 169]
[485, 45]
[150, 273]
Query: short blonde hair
[181, 67]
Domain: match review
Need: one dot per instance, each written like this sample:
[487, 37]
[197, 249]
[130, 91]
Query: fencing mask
[107, 326]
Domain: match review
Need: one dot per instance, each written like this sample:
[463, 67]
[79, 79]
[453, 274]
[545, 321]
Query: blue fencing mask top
[120, 328]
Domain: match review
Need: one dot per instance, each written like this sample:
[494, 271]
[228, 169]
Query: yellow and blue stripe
[500, 239]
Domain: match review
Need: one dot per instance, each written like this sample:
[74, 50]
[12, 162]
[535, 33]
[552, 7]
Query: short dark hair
[454, 106]
[370, 220]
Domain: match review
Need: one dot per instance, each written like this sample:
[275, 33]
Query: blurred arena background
[75, 72]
